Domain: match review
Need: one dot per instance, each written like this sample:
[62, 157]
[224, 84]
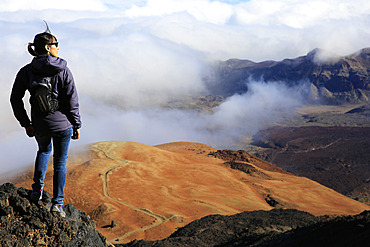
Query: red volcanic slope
[150, 191]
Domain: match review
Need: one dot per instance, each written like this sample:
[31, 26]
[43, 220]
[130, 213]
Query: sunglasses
[55, 43]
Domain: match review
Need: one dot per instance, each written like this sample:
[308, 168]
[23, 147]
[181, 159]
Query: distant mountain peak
[319, 56]
[365, 50]
[314, 52]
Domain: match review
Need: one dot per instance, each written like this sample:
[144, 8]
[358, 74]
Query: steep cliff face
[336, 79]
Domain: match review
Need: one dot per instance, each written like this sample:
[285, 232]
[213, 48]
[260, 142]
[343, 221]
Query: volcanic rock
[363, 110]
[25, 223]
[341, 231]
[241, 155]
[277, 227]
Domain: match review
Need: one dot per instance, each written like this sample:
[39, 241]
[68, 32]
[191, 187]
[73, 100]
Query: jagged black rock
[25, 223]
[277, 227]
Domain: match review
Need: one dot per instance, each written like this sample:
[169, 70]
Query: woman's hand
[76, 134]
[30, 131]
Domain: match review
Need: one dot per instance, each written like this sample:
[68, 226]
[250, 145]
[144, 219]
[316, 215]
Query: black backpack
[42, 97]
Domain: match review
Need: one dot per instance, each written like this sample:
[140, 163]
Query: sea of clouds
[130, 57]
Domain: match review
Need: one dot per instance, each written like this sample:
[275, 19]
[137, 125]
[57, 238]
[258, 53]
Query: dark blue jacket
[64, 90]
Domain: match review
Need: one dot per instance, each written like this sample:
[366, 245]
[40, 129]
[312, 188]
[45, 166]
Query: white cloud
[298, 14]
[237, 117]
[203, 10]
[16, 5]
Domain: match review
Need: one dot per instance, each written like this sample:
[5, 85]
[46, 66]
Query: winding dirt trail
[158, 219]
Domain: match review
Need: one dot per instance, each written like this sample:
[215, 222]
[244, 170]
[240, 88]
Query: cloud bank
[130, 57]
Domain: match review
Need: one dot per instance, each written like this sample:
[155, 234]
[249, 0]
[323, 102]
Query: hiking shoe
[59, 209]
[36, 195]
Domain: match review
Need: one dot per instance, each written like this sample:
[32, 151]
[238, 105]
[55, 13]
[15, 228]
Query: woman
[51, 129]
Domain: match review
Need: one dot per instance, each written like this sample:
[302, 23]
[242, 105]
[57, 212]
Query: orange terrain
[151, 191]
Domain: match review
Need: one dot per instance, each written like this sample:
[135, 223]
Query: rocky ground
[24, 223]
[277, 227]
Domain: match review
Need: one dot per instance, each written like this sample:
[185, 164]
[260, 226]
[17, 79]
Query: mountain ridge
[335, 79]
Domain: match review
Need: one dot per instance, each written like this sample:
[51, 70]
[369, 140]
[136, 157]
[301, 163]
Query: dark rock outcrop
[363, 110]
[25, 223]
[247, 229]
[278, 227]
[340, 231]
[232, 157]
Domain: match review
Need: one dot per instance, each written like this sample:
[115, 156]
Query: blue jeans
[61, 144]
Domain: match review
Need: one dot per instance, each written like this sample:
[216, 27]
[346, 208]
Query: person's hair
[40, 41]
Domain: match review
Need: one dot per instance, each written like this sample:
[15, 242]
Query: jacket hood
[48, 65]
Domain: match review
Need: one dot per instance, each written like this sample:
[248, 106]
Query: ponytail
[31, 50]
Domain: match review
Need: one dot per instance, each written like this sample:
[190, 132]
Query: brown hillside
[150, 191]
